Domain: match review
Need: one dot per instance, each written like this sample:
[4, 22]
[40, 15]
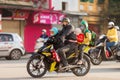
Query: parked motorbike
[101, 53]
[46, 59]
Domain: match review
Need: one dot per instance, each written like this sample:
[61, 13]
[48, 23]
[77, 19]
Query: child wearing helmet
[111, 35]
[54, 38]
[53, 31]
[86, 31]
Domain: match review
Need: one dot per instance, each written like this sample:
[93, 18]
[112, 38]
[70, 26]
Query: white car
[11, 46]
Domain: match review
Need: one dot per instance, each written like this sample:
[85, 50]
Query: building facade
[13, 15]
[95, 10]
[70, 9]
[28, 18]
[91, 10]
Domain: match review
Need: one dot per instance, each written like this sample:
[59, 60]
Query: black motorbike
[46, 59]
[101, 53]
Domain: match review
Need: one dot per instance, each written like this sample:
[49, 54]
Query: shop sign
[20, 14]
[47, 18]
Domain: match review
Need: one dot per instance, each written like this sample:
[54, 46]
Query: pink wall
[32, 33]
[35, 23]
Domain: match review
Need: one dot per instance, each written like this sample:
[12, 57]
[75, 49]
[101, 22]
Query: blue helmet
[54, 30]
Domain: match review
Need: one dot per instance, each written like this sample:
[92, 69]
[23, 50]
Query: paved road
[16, 70]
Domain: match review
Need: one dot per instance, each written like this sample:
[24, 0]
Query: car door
[5, 44]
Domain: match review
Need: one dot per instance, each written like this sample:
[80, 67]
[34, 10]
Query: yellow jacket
[112, 35]
[87, 38]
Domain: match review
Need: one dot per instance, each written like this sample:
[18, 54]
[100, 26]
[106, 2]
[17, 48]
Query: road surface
[16, 70]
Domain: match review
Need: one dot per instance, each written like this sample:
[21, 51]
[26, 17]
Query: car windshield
[5, 37]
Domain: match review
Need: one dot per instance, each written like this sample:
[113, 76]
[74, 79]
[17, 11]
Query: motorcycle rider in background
[40, 41]
[44, 34]
[111, 35]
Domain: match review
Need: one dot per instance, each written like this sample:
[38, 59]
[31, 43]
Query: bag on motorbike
[93, 38]
[107, 53]
[55, 55]
[80, 38]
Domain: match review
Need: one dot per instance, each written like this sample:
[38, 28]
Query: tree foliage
[114, 7]
[114, 11]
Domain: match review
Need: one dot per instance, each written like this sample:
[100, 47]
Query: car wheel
[15, 54]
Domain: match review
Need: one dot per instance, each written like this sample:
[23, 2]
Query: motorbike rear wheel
[36, 67]
[83, 68]
[95, 59]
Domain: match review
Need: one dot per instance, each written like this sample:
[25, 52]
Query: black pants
[81, 49]
[62, 52]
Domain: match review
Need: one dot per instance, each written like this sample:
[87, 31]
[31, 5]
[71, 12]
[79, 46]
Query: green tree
[114, 11]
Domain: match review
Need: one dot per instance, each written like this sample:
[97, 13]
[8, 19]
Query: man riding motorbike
[69, 38]
[111, 35]
[46, 59]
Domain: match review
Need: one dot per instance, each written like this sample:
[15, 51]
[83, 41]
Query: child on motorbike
[54, 38]
[87, 36]
[79, 37]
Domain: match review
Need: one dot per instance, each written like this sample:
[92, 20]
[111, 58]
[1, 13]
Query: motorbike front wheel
[83, 68]
[36, 67]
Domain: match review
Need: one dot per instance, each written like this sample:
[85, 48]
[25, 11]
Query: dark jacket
[71, 36]
[44, 36]
[66, 30]
[56, 41]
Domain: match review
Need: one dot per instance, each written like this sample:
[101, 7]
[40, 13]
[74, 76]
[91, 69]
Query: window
[99, 9]
[90, 8]
[91, 1]
[81, 7]
[83, 0]
[101, 1]
[64, 6]
[5, 37]
[6, 13]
